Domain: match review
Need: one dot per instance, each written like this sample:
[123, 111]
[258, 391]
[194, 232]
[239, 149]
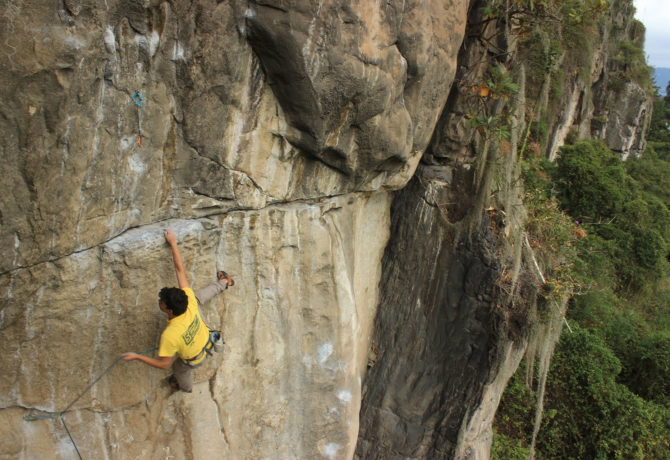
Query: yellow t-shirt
[186, 334]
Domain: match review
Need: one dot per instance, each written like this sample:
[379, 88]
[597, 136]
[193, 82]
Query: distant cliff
[354, 166]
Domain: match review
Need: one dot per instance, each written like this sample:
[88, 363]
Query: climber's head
[172, 300]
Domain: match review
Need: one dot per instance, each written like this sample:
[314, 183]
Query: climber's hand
[129, 356]
[170, 236]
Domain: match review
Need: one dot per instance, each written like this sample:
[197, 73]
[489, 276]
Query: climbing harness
[49, 415]
[213, 342]
[137, 99]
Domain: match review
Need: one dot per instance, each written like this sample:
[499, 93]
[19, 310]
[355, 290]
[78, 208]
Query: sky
[655, 15]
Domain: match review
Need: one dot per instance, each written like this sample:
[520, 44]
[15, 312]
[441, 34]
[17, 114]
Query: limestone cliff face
[622, 106]
[321, 153]
[268, 135]
[604, 99]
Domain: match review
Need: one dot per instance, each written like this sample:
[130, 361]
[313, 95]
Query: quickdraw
[137, 99]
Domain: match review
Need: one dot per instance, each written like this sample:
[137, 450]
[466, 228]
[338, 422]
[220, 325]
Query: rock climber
[186, 340]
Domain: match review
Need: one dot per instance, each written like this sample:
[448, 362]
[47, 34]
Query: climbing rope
[48, 415]
[137, 99]
[70, 436]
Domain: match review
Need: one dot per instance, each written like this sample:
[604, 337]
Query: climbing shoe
[220, 275]
[172, 381]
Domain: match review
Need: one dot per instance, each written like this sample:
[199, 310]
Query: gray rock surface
[361, 85]
[436, 340]
[628, 120]
[609, 102]
[268, 135]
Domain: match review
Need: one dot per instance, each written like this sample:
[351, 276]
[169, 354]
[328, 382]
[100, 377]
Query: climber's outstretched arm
[178, 266]
[162, 362]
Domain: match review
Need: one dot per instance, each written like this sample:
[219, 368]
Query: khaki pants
[182, 371]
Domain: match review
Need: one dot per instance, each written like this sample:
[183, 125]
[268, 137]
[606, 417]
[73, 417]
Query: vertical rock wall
[456, 324]
[435, 334]
[268, 136]
[296, 326]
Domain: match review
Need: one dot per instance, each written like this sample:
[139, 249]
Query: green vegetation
[590, 414]
[550, 231]
[497, 85]
[630, 64]
[608, 391]
[514, 418]
[557, 47]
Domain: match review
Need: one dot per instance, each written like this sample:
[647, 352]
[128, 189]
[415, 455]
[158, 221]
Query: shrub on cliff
[589, 179]
[634, 225]
[594, 416]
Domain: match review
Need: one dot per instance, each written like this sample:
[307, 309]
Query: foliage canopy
[608, 393]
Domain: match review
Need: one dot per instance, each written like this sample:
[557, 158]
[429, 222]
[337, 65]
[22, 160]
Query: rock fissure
[316, 201]
[80, 251]
[42, 414]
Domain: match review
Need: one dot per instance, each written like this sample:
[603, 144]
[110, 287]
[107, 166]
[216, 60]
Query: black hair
[175, 299]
